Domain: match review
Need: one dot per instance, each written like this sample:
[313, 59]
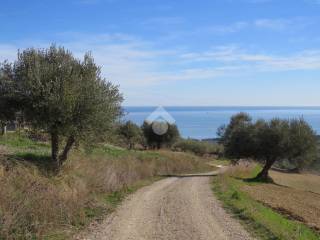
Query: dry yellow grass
[37, 206]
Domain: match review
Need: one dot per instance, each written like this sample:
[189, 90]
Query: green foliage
[65, 96]
[155, 140]
[131, 133]
[237, 137]
[198, 147]
[8, 103]
[270, 141]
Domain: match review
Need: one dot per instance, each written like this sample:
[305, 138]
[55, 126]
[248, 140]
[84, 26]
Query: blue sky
[182, 52]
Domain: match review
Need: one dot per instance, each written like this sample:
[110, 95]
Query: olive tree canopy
[165, 139]
[269, 141]
[66, 97]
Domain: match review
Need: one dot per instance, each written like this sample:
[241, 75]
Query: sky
[182, 52]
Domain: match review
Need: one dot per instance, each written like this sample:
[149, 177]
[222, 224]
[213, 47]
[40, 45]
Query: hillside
[37, 204]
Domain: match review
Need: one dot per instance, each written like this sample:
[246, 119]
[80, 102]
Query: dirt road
[176, 208]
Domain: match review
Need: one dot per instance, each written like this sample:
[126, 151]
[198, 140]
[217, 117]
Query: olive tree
[131, 132]
[165, 139]
[237, 136]
[270, 141]
[66, 97]
[291, 140]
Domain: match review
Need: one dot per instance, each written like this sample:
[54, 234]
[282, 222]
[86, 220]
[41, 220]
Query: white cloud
[138, 66]
[243, 60]
[8, 52]
[273, 24]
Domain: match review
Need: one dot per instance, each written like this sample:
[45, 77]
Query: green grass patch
[221, 161]
[262, 221]
[109, 150]
[20, 141]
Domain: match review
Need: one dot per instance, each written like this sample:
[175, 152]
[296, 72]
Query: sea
[203, 122]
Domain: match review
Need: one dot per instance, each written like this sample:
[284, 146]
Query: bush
[198, 147]
[131, 133]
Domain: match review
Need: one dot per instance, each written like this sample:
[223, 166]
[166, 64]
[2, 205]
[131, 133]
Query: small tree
[158, 141]
[66, 97]
[269, 142]
[131, 132]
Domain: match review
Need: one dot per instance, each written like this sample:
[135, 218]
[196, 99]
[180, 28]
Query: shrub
[131, 133]
[198, 147]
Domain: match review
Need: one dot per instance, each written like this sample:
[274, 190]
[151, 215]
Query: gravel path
[176, 208]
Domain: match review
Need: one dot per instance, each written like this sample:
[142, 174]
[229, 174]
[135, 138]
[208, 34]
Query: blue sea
[203, 122]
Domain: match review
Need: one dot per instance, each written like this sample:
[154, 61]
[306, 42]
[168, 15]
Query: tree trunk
[3, 129]
[64, 155]
[55, 149]
[264, 174]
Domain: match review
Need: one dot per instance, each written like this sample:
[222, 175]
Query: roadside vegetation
[269, 142]
[38, 204]
[271, 185]
[268, 210]
[201, 148]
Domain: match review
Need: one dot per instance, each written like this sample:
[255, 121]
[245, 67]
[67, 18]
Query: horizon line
[269, 106]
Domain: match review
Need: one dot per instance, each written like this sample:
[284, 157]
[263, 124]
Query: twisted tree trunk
[59, 159]
[264, 174]
[64, 155]
[55, 149]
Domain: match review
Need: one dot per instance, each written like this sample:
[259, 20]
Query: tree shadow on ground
[256, 180]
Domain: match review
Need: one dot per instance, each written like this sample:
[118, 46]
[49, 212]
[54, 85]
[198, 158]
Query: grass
[37, 205]
[292, 195]
[200, 148]
[221, 162]
[261, 220]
